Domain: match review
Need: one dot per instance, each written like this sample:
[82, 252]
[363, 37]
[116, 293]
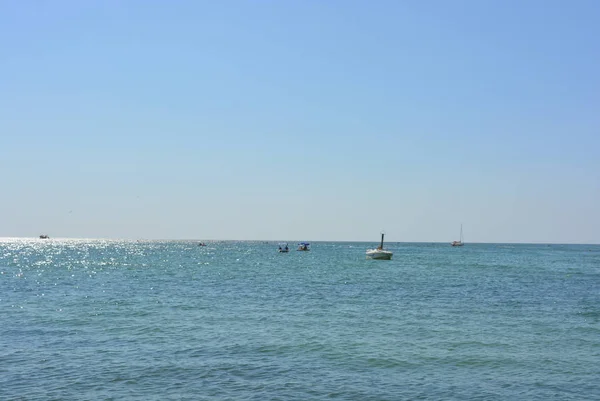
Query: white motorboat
[379, 253]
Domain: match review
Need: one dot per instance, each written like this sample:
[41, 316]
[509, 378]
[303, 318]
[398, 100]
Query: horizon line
[280, 240]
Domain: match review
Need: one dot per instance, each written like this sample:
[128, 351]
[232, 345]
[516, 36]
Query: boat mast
[381, 246]
[461, 236]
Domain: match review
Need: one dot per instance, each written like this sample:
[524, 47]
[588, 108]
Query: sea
[233, 320]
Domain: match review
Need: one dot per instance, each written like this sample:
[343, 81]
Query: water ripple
[156, 320]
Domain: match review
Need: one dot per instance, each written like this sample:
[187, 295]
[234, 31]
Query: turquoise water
[93, 319]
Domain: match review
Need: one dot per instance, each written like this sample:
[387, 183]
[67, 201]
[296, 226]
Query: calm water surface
[127, 320]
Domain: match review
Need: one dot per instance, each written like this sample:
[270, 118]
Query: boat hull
[379, 254]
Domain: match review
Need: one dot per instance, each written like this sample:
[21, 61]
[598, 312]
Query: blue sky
[304, 120]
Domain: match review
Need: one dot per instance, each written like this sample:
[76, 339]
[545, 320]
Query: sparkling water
[171, 320]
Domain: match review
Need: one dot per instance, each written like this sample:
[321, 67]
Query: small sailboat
[460, 242]
[379, 253]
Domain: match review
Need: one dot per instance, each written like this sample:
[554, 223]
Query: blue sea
[169, 320]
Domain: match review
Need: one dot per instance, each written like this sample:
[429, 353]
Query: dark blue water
[90, 320]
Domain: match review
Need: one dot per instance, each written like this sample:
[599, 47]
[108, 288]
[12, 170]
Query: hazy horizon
[289, 241]
[328, 120]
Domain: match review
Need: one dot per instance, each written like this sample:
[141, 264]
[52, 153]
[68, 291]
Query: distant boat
[283, 247]
[459, 243]
[202, 244]
[303, 246]
[379, 253]
[44, 236]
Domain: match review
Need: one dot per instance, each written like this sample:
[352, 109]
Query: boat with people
[459, 242]
[379, 253]
[303, 246]
[44, 236]
[283, 247]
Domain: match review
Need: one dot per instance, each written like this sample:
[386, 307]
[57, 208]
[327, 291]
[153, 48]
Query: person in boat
[286, 248]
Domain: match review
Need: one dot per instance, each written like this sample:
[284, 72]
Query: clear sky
[301, 120]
